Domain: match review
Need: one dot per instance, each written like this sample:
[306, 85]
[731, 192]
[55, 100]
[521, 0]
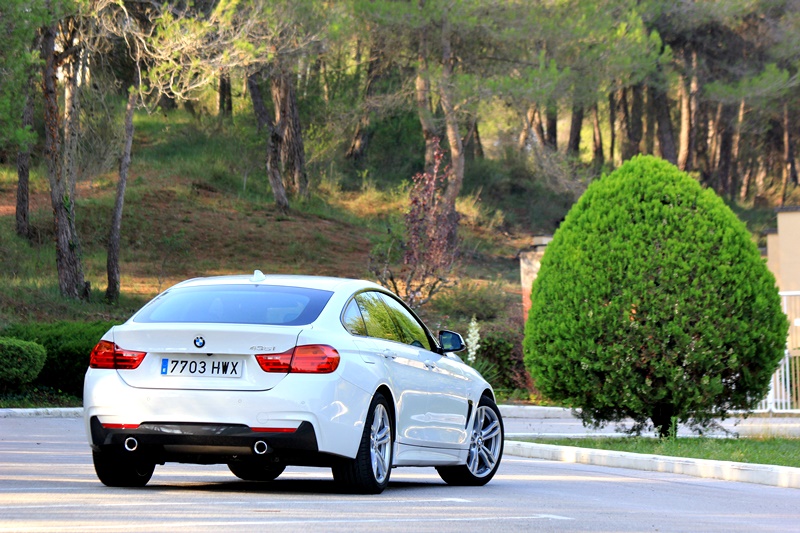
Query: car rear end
[217, 373]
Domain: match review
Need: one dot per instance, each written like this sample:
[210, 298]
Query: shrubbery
[501, 344]
[68, 346]
[653, 303]
[20, 362]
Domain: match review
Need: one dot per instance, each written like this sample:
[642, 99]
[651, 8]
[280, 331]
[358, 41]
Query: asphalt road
[47, 483]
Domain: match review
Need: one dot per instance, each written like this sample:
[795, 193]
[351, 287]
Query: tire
[369, 472]
[256, 470]
[116, 470]
[485, 449]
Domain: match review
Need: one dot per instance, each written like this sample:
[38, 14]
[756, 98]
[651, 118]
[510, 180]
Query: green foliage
[68, 346]
[534, 195]
[501, 345]
[20, 362]
[19, 21]
[32, 397]
[484, 301]
[653, 303]
[489, 371]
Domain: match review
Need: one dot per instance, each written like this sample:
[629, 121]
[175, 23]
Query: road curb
[51, 412]
[536, 412]
[777, 476]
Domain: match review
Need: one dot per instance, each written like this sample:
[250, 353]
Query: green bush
[20, 362]
[68, 346]
[653, 303]
[501, 344]
[468, 299]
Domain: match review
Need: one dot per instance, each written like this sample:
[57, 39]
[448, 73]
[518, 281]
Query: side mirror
[451, 341]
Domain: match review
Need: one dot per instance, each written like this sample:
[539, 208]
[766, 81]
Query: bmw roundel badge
[199, 342]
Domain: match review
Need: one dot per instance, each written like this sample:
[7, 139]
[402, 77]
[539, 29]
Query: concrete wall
[788, 249]
[529, 263]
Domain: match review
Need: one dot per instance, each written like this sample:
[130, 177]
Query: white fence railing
[784, 392]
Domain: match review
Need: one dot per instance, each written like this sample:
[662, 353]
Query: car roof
[257, 278]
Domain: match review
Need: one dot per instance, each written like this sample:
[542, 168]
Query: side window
[376, 315]
[352, 319]
[411, 330]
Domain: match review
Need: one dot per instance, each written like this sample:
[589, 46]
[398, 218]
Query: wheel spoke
[488, 457]
[473, 460]
[492, 431]
[479, 416]
[382, 437]
[380, 465]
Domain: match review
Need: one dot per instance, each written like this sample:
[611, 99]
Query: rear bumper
[304, 415]
[205, 443]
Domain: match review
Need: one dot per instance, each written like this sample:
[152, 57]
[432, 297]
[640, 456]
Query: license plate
[211, 367]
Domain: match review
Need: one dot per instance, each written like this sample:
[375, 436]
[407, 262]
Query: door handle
[429, 364]
[388, 354]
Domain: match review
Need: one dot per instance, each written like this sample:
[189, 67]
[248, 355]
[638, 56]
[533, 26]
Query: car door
[405, 371]
[443, 385]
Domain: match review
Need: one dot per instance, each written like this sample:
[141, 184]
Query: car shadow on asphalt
[287, 486]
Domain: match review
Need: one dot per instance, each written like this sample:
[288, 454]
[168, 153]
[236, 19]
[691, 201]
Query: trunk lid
[203, 356]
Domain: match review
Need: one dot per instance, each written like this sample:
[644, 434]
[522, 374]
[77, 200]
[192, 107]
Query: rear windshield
[236, 304]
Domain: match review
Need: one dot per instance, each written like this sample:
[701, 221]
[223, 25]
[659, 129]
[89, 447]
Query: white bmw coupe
[260, 372]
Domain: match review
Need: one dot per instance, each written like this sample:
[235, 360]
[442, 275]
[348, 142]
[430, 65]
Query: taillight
[108, 355]
[315, 359]
[275, 362]
[309, 359]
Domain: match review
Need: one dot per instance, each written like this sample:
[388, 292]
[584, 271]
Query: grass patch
[768, 451]
[37, 397]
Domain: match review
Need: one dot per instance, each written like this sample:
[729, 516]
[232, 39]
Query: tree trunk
[422, 96]
[736, 150]
[724, 172]
[700, 159]
[666, 138]
[789, 169]
[551, 127]
[576, 123]
[68, 262]
[612, 121]
[662, 419]
[627, 148]
[527, 125]
[636, 117]
[72, 110]
[225, 97]
[650, 126]
[538, 127]
[744, 188]
[690, 87]
[358, 146]
[472, 143]
[292, 149]
[23, 168]
[115, 233]
[455, 177]
[272, 159]
[598, 159]
[630, 115]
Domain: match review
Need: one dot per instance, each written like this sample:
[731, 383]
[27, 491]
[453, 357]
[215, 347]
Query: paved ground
[47, 484]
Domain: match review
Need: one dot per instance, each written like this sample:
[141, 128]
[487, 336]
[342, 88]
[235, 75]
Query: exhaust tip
[131, 444]
[260, 447]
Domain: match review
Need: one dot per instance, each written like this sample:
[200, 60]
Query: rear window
[236, 304]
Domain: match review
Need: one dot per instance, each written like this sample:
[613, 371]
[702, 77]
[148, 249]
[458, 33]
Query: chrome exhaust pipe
[260, 447]
[131, 444]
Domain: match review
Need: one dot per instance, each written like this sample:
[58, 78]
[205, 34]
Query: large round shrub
[20, 362]
[653, 303]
